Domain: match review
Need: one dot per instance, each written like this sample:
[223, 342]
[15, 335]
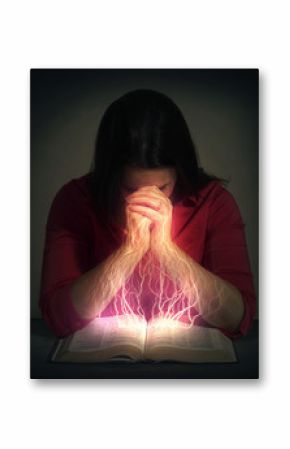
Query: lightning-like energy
[161, 286]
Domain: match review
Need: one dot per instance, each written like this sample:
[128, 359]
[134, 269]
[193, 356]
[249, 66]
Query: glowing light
[157, 277]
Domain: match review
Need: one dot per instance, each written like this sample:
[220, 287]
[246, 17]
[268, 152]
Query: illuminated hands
[152, 203]
[137, 232]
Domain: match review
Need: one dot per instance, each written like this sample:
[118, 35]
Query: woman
[145, 196]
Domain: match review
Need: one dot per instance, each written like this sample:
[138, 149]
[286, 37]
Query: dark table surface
[43, 342]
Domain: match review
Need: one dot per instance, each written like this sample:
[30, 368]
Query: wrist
[163, 246]
[136, 251]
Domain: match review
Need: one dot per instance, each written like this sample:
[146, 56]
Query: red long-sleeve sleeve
[209, 228]
[65, 258]
[226, 255]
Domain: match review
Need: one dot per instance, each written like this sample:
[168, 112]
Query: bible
[131, 338]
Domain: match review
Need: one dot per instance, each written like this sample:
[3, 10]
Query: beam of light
[168, 280]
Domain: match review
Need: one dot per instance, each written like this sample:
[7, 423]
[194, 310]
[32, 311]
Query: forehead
[138, 177]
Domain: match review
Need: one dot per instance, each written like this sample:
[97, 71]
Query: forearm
[92, 291]
[218, 301]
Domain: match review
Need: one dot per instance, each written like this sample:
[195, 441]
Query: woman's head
[133, 178]
[143, 139]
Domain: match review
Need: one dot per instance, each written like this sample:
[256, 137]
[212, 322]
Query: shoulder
[219, 202]
[208, 194]
[73, 198]
[76, 188]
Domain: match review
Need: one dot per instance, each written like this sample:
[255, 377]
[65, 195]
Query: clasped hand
[149, 212]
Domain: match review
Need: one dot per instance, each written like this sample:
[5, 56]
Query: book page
[173, 333]
[106, 332]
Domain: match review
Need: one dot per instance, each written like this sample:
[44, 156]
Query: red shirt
[207, 226]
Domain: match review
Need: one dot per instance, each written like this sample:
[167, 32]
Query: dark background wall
[220, 107]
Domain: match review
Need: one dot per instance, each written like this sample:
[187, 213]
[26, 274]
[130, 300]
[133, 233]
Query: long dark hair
[144, 129]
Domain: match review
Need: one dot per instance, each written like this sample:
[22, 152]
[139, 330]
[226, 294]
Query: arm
[71, 292]
[92, 291]
[221, 290]
[218, 301]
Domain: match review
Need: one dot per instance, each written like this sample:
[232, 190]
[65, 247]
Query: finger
[151, 193]
[157, 203]
[145, 190]
[145, 201]
[155, 196]
[152, 189]
[135, 217]
[147, 212]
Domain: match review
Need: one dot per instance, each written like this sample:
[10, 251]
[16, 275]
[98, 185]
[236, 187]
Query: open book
[132, 338]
